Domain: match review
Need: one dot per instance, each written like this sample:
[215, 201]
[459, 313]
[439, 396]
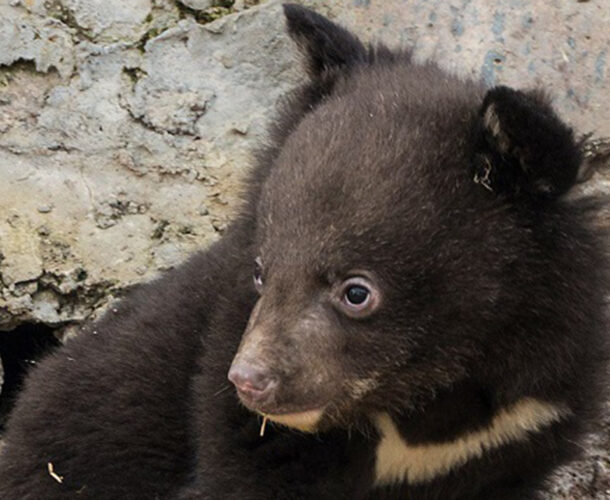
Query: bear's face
[360, 263]
[383, 260]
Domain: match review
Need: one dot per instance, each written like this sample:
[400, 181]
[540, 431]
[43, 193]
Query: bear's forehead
[364, 161]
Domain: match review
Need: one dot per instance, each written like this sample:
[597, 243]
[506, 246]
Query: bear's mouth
[304, 421]
[304, 418]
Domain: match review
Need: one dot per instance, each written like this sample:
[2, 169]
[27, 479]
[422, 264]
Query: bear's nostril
[251, 381]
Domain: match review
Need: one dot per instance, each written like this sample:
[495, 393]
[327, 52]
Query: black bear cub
[407, 307]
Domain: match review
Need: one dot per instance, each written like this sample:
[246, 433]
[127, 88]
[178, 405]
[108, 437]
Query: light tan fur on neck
[398, 461]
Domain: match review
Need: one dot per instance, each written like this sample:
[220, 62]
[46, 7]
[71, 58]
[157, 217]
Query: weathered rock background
[126, 127]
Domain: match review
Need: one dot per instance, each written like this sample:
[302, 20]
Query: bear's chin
[304, 421]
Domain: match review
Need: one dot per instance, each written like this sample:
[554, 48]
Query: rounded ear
[523, 147]
[327, 46]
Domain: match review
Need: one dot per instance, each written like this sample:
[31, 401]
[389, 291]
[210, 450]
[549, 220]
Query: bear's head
[402, 238]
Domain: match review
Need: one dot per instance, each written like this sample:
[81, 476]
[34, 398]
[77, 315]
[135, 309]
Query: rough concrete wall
[126, 126]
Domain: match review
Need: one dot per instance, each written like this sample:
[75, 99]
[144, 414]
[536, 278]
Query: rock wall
[126, 126]
[125, 129]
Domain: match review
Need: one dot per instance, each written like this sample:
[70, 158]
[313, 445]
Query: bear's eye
[258, 274]
[359, 297]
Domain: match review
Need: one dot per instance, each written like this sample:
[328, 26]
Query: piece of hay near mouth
[263, 425]
[53, 474]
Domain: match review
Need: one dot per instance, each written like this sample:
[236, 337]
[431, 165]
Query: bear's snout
[254, 384]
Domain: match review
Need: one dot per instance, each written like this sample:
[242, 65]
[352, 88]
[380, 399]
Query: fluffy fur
[475, 377]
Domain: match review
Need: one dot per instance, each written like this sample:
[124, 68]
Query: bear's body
[431, 308]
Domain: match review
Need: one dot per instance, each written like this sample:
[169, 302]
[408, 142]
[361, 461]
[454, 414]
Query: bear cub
[408, 305]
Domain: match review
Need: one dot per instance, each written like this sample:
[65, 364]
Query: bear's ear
[327, 46]
[523, 147]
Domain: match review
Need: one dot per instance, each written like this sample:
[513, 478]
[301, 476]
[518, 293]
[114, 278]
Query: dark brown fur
[492, 285]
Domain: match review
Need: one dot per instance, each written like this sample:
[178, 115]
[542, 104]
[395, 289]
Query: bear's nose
[252, 382]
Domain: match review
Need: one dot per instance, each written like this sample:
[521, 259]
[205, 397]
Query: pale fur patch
[491, 120]
[397, 461]
[306, 421]
[360, 388]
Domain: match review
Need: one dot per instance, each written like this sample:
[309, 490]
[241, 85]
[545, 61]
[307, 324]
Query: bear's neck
[454, 411]
[459, 425]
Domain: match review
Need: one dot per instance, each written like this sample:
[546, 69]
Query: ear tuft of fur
[523, 147]
[327, 45]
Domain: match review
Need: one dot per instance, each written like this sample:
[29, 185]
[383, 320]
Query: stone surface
[127, 126]
[561, 45]
[125, 160]
[198, 4]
